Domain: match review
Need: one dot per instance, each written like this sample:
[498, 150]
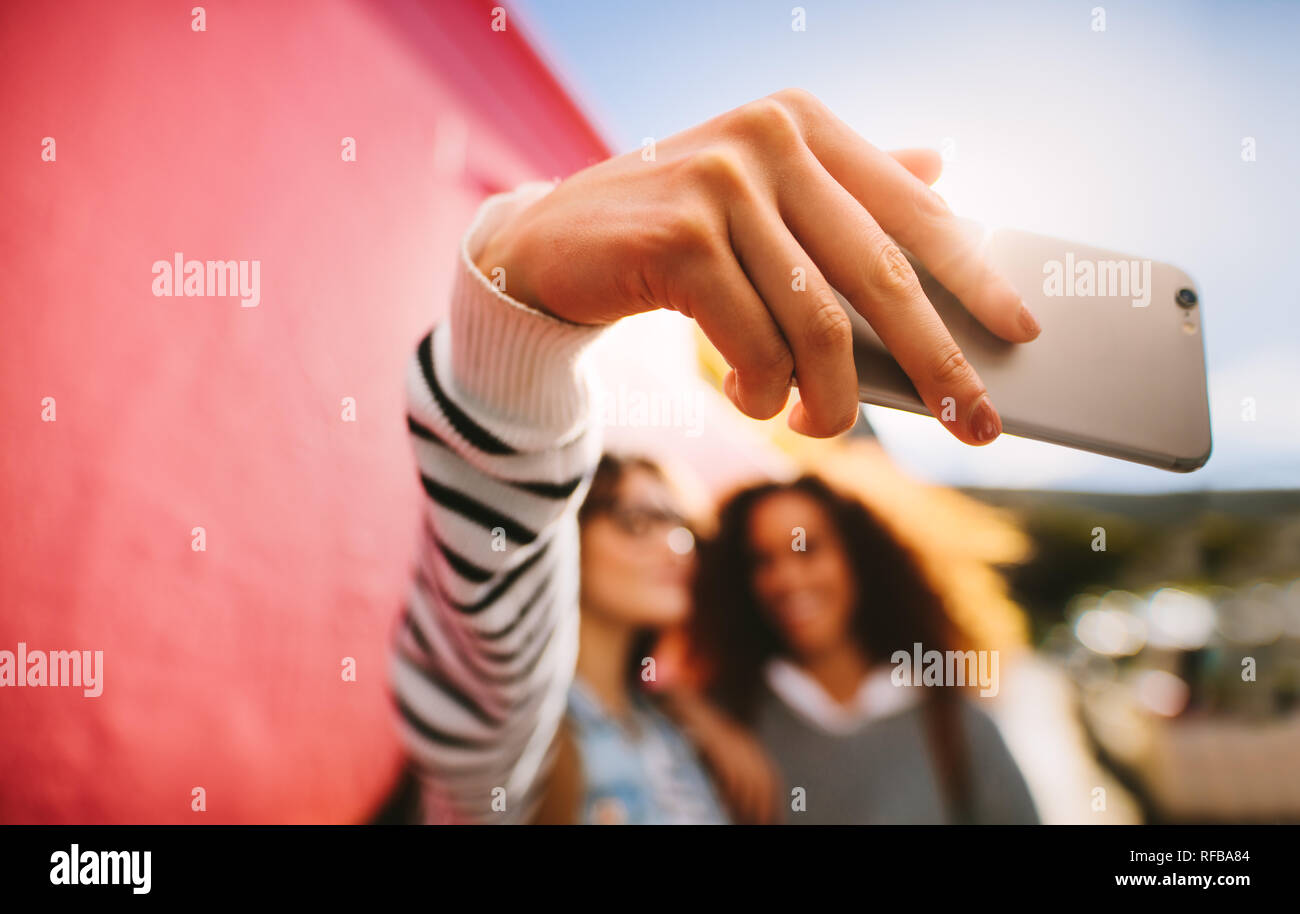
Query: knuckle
[767, 121]
[797, 99]
[690, 232]
[890, 274]
[719, 170]
[951, 368]
[771, 360]
[828, 329]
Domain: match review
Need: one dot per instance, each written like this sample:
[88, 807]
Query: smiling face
[636, 563]
[808, 593]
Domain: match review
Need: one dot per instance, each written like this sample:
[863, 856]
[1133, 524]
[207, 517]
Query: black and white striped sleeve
[499, 410]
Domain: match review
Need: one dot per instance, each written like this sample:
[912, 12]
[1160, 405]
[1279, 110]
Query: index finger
[914, 215]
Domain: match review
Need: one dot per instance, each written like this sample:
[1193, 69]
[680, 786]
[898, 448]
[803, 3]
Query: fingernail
[985, 422]
[729, 388]
[1028, 321]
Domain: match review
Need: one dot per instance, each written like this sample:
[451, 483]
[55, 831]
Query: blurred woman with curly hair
[802, 598]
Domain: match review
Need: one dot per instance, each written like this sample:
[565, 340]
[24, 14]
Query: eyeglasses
[641, 521]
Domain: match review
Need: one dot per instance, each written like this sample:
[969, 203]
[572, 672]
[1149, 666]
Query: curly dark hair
[732, 638]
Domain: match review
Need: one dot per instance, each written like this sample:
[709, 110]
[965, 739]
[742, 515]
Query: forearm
[499, 406]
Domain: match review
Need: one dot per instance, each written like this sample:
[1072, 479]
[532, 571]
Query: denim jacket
[653, 777]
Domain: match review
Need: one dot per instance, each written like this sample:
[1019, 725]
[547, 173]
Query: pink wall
[222, 668]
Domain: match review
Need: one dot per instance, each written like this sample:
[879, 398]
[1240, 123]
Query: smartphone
[1119, 368]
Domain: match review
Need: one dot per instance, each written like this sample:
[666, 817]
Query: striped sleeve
[499, 411]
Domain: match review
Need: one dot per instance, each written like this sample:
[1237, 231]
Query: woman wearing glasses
[621, 758]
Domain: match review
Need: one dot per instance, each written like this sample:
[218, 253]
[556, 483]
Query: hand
[744, 774]
[715, 227]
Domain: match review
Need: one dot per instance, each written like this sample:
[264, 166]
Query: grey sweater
[884, 773]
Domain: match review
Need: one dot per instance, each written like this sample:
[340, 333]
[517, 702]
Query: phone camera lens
[1186, 298]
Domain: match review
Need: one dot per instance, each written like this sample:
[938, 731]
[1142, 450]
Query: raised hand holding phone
[748, 223]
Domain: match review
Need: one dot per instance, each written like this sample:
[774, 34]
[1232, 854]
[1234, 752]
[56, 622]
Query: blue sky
[1128, 138]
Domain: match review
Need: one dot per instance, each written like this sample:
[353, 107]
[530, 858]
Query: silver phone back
[1105, 375]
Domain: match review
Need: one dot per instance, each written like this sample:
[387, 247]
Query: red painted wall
[222, 668]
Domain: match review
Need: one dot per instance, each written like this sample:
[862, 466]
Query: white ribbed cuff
[520, 367]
